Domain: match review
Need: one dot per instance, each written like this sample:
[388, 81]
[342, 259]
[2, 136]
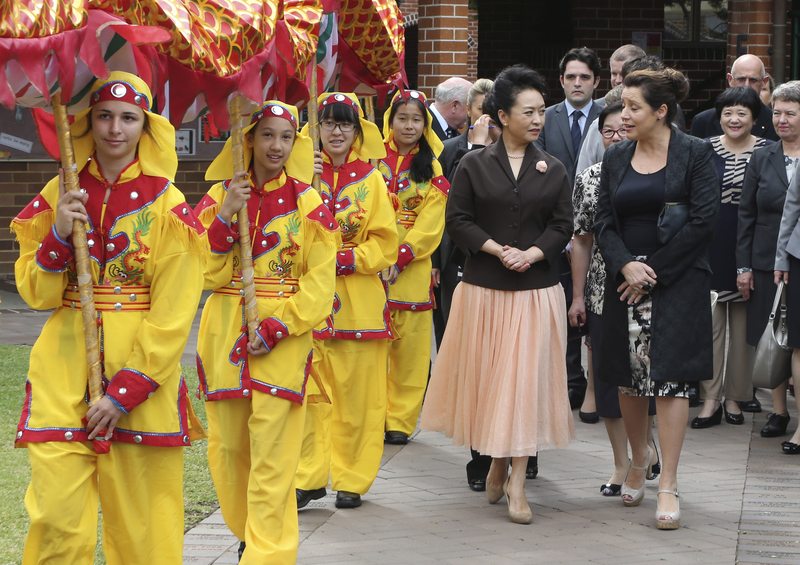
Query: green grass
[199, 496]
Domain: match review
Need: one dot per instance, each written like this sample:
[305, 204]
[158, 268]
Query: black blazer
[760, 208]
[680, 348]
[487, 202]
[437, 128]
[705, 124]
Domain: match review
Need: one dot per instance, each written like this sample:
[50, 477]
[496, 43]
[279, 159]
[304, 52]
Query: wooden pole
[313, 120]
[245, 247]
[82, 263]
[370, 109]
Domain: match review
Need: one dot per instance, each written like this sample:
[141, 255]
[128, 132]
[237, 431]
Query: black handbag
[672, 218]
[773, 359]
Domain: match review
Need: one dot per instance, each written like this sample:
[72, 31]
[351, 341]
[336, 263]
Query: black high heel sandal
[654, 470]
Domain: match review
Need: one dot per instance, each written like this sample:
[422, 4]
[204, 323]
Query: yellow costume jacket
[357, 196]
[147, 252]
[294, 239]
[420, 225]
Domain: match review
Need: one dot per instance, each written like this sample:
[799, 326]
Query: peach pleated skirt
[499, 384]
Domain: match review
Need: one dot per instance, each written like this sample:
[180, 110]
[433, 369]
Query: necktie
[451, 133]
[576, 131]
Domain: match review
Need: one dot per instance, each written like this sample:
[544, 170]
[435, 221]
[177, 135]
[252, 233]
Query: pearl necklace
[510, 156]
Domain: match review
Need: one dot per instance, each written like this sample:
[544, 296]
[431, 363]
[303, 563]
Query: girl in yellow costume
[147, 250]
[419, 191]
[254, 391]
[345, 438]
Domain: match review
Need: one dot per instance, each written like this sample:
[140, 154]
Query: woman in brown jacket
[499, 384]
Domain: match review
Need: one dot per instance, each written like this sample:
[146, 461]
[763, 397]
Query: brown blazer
[487, 202]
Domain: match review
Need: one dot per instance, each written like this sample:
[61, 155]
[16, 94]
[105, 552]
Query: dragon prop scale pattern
[30, 19]
[219, 36]
[374, 31]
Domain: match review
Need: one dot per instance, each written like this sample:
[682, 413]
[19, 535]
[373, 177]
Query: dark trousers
[443, 294]
[576, 378]
[478, 468]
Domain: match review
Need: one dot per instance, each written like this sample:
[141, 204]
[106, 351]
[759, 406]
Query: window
[696, 21]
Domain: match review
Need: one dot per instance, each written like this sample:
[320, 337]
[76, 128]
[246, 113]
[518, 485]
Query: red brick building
[478, 38]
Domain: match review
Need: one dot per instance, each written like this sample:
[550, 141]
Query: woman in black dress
[657, 281]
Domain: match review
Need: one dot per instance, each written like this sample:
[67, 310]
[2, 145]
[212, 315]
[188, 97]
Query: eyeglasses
[609, 133]
[744, 80]
[344, 127]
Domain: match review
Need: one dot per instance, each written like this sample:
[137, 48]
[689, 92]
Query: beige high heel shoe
[494, 494]
[669, 520]
[517, 516]
[636, 495]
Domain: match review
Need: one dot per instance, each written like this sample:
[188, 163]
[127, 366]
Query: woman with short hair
[737, 110]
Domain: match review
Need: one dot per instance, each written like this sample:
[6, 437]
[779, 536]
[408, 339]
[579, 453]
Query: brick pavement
[741, 503]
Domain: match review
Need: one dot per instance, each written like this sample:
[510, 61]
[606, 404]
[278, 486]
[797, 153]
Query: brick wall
[442, 43]
[755, 20]
[21, 181]
[602, 25]
[472, 46]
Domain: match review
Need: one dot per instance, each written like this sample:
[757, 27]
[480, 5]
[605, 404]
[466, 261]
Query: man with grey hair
[747, 70]
[619, 57]
[450, 108]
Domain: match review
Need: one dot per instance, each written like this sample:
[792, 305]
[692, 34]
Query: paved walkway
[741, 504]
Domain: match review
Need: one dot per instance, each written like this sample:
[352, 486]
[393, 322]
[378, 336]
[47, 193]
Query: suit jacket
[680, 348]
[789, 234]
[436, 126]
[556, 137]
[454, 149]
[487, 202]
[761, 208]
[705, 124]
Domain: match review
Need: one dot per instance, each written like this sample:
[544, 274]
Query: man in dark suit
[747, 70]
[450, 107]
[567, 122]
[565, 126]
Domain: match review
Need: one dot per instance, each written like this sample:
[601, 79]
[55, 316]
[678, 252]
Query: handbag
[672, 218]
[773, 359]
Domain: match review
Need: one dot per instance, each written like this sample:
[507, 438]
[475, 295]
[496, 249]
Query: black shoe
[751, 405]
[611, 490]
[306, 496]
[790, 448]
[654, 470]
[532, 470]
[241, 549]
[396, 438]
[588, 417]
[776, 425]
[345, 499]
[714, 420]
[478, 485]
[694, 397]
[735, 419]
[576, 397]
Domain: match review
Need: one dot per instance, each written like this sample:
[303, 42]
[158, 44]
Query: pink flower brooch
[541, 166]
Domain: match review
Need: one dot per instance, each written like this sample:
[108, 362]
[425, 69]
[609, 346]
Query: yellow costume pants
[409, 365]
[253, 449]
[315, 458]
[140, 491]
[354, 373]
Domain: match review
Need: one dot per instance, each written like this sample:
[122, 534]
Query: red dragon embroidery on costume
[283, 266]
[350, 226]
[416, 200]
[130, 272]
